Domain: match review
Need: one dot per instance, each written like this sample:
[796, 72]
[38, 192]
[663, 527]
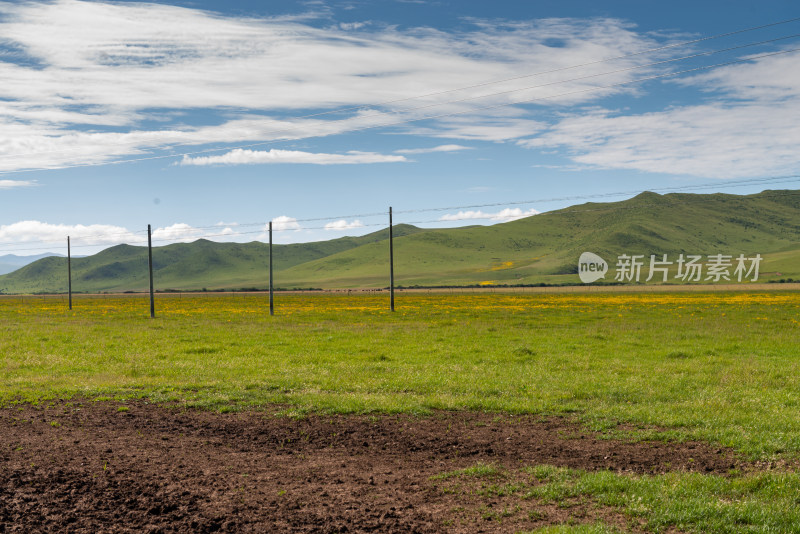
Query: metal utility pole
[271, 303]
[150, 263]
[391, 263]
[69, 273]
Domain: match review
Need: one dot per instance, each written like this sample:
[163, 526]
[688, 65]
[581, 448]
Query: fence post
[150, 264]
[391, 263]
[69, 273]
[271, 303]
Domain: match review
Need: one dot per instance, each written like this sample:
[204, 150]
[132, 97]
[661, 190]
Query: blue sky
[209, 118]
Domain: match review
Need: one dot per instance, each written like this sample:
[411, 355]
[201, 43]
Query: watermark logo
[685, 268]
[591, 267]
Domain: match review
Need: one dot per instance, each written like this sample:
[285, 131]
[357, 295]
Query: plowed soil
[86, 466]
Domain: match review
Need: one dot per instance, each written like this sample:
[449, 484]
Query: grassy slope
[182, 265]
[543, 248]
[546, 247]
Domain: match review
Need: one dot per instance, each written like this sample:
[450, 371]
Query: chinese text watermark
[659, 268]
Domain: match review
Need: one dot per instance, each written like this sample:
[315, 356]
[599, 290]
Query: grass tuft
[479, 470]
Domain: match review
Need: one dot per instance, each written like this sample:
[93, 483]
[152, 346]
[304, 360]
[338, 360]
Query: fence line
[491, 289]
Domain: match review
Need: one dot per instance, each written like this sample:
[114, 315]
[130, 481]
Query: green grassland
[717, 367]
[541, 249]
[683, 502]
[721, 367]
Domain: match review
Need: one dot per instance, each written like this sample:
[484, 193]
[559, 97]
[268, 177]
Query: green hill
[545, 248]
[539, 249]
[179, 266]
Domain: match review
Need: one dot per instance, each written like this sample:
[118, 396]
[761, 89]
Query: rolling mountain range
[11, 262]
[540, 249]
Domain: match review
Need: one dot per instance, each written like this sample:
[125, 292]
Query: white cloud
[11, 184]
[769, 79]
[77, 69]
[343, 224]
[504, 215]
[178, 232]
[753, 129]
[24, 147]
[249, 157]
[98, 236]
[712, 141]
[283, 223]
[349, 26]
[184, 233]
[440, 148]
[37, 232]
[481, 127]
[81, 78]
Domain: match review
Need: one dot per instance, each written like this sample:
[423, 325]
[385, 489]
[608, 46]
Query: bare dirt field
[85, 466]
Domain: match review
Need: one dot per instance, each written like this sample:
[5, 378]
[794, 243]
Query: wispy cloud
[504, 215]
[251, 157]
[343, 224]
[86, 75]
[769, 79]
[83, 81]
[350, 26]
[481, 127]
[12, 184]
[750, 126]
[440, 148]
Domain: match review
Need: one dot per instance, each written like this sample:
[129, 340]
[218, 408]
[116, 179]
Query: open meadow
[585, 412]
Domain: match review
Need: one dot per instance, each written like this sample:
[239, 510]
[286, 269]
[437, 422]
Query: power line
[575, 209]
[237, 225]
[734, 183]
[449, 102]
[571, 210]
[292, 221]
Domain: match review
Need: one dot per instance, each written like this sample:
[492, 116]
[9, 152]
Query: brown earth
[87, 466]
